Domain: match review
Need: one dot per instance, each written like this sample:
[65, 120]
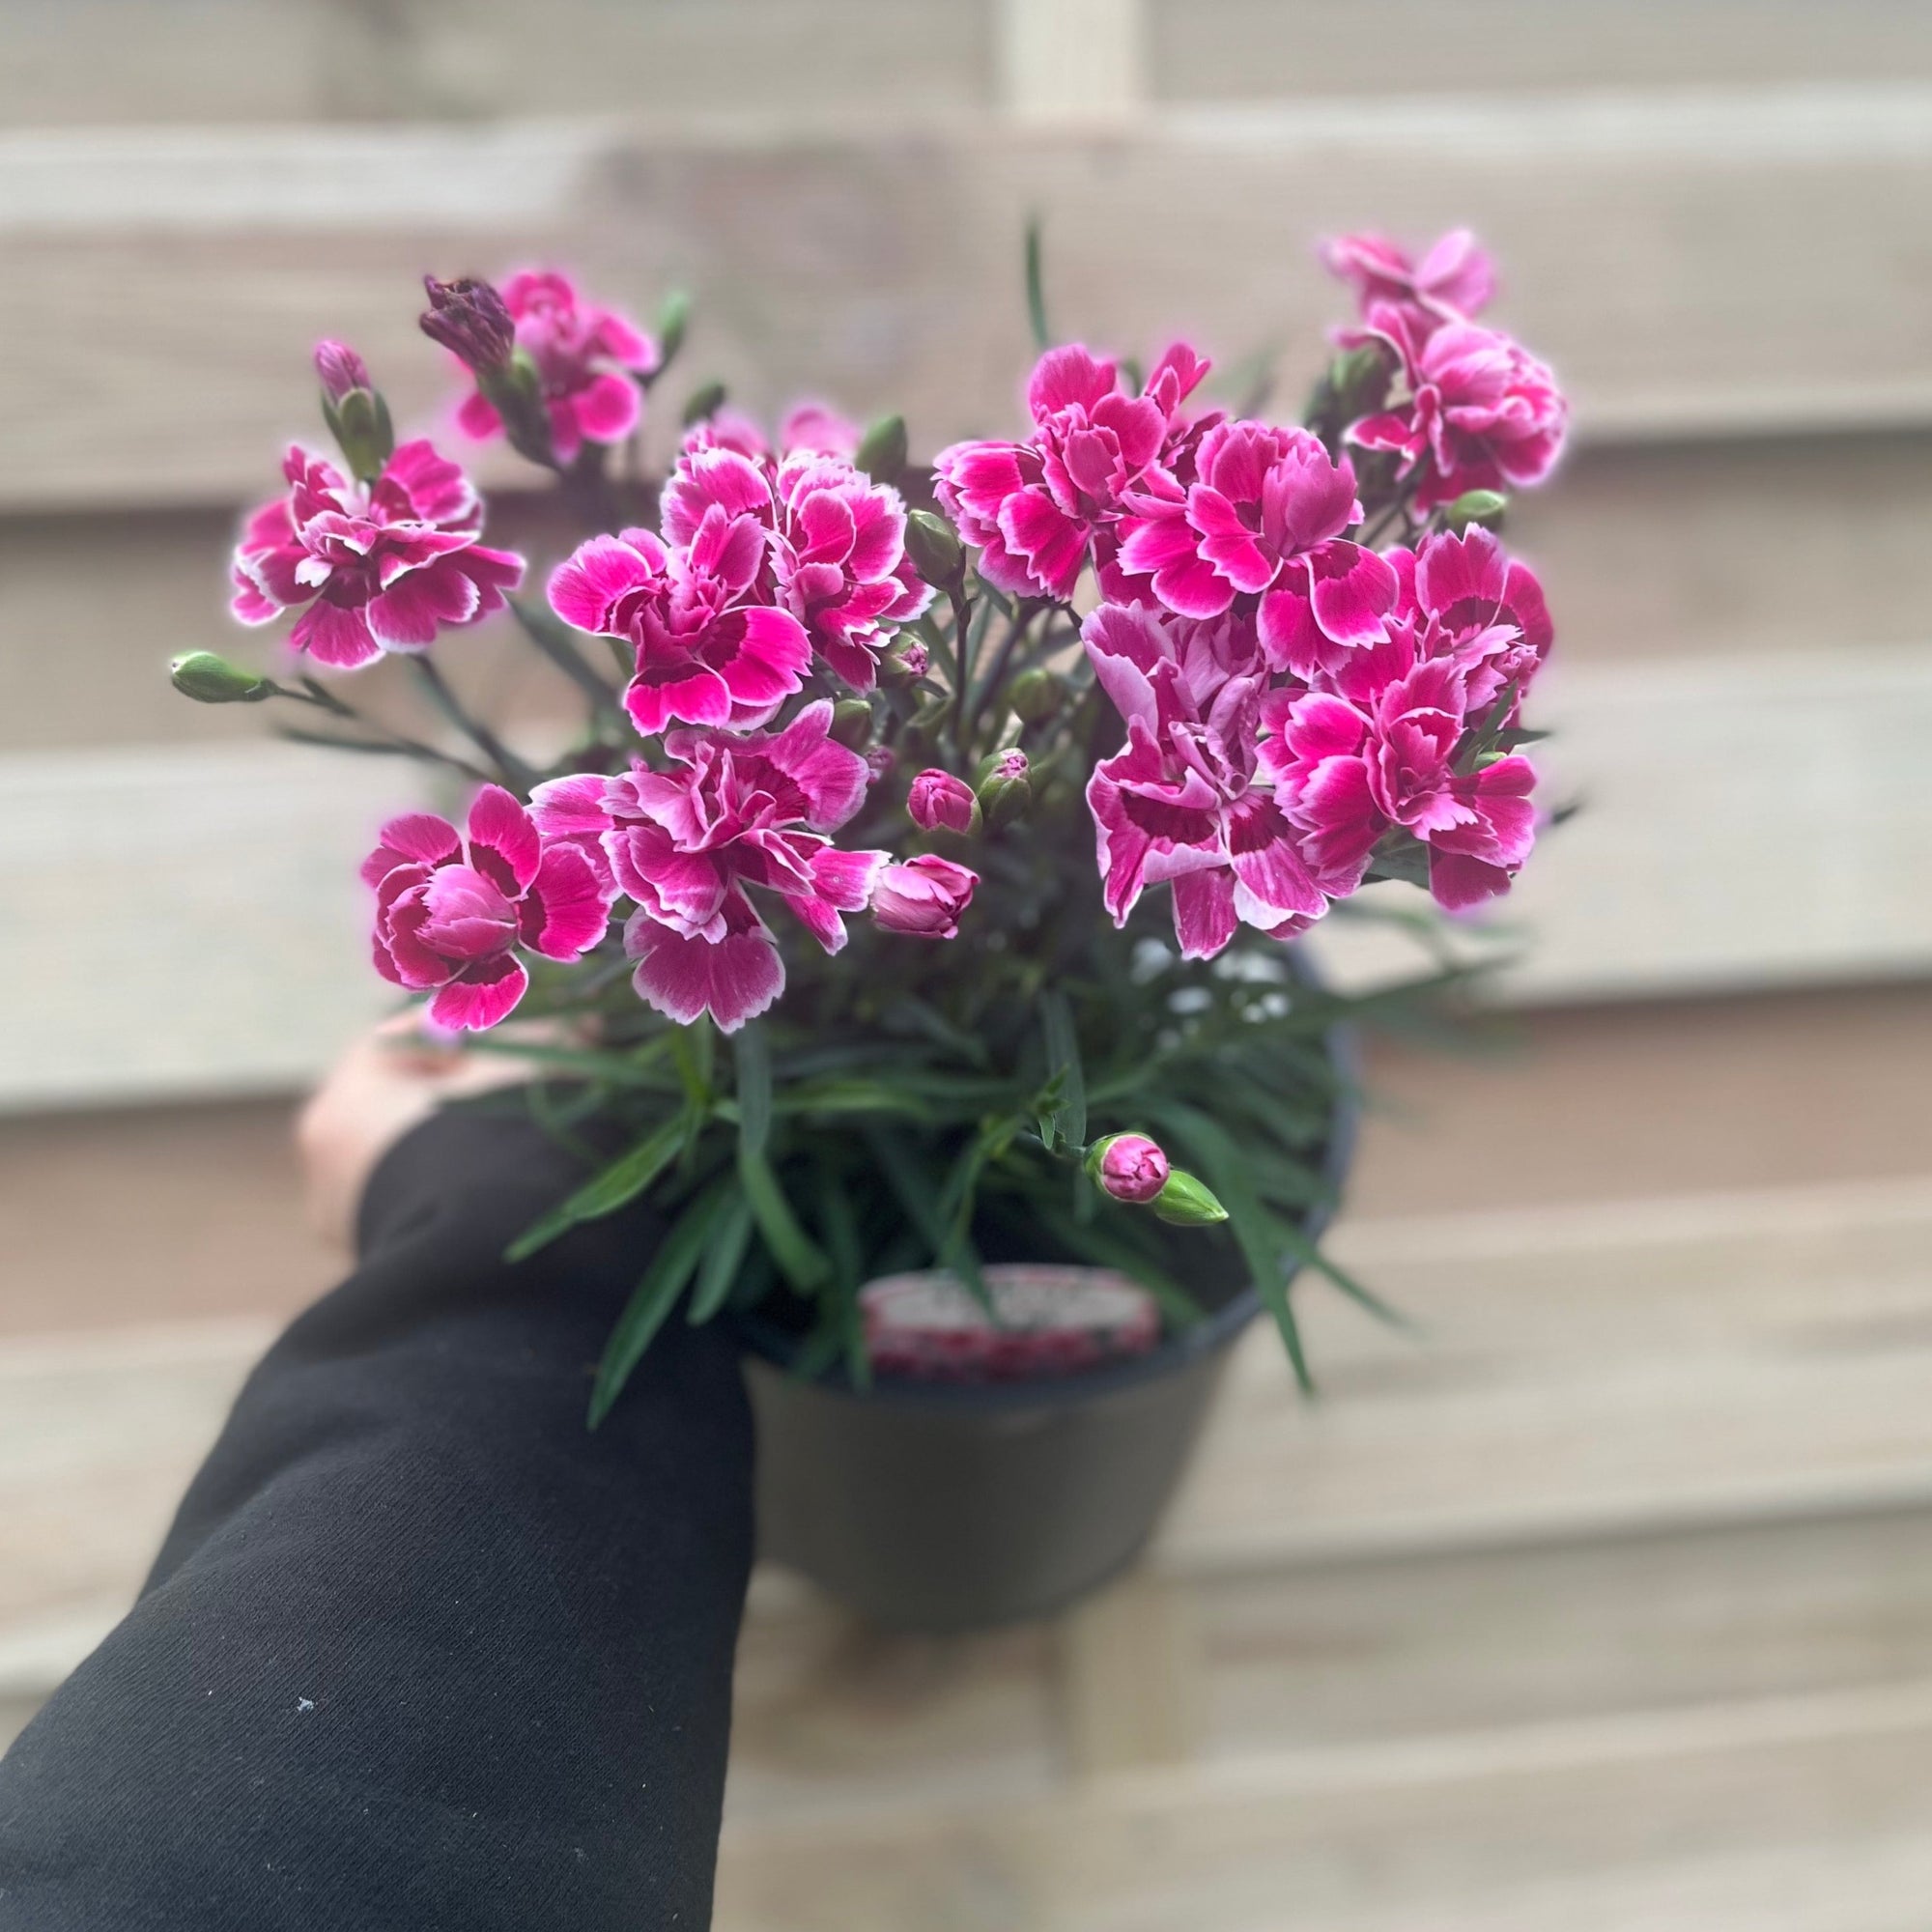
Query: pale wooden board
[1649, 245]
[217, 61]
[1249, 49]
[1791, 1816]
[185, 921]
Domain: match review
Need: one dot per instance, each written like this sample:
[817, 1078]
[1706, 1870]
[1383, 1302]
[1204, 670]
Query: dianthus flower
[588, 361]
[453, 908]
[374, 568]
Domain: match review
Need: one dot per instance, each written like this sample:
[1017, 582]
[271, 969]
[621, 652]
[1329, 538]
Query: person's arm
[421, 1651]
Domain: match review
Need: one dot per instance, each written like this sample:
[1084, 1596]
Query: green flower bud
[852, 724]
[212, 680]
[882, 451]
[1004, 788]
[1476, 506]
[935, 548]
[674, 318]
[360, 422]
[1187, 1203]
[1035, 695]
[907, 662]
[703, 403]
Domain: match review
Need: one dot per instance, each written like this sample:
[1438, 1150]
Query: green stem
[962, 617]
[510, 768]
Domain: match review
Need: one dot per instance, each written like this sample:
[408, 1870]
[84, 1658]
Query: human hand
[393, 1077]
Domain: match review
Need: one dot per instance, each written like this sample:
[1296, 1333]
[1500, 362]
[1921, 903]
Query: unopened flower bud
[935, 548]
[208, 679]
[1476, 506]
[673, 319]
[471, 320]
[1187, 1203]
[923, 897]
[852, 722]
[1005, 787]
[1130, 1167]
[341, 370]
[882, 450]
[938, 799]
[907, 662]
[703, 403]
[357, 417]
[1035, 695]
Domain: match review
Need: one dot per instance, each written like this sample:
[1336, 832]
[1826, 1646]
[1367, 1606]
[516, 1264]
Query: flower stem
[510, 768]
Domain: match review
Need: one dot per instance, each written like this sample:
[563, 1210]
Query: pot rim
[1174, 1353]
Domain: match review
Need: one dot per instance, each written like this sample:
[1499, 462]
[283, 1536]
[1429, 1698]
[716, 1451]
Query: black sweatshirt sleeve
[421, 1651]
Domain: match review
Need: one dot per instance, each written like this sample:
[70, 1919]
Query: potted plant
[919, 894]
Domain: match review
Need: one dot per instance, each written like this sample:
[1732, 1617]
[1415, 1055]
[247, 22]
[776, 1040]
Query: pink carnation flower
[1381, 753]
[1035, 509]
[1481, 412]
[1183, 802]
[1455, 280]
[452, 909]
[1264, 518]
[734, 812]
[841, 563]
[1478, 606]
[711, 648]
[923, 897]
[380, 567]
[588, 361]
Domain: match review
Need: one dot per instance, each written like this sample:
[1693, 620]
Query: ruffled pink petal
[476, 415]
[585, 588]
[1054, 544]
[1261, 847]
[845, 879]
[335, 635]
[1352, 591]
[566, 911]
[493, 572]
[608, 408]
[1458, 882]
[405, 616]
[503, 841]
[1204, 913]
[620, 339]
[434, 488]
[561, 807]
[694, 693]
[767, 658]
[734, 980]
[481, 996]
[1070, 376]
[415, 839]
[713, 479]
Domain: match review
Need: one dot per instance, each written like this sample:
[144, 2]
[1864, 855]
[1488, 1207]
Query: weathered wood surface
[1650, 244]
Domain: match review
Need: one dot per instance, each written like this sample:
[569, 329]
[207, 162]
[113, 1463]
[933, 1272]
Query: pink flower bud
[937, 798]
[471, 320]
[1130, 1167]
[923, 897]
[341, 370]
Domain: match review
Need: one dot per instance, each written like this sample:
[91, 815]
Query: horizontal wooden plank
[195, 928]
[1249, 49]
[1648, 245]
[1806, 1815]
[92, 61]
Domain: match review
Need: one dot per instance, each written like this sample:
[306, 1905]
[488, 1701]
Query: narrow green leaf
[653, 1299]
[926, 1209]
[797, 1254]
[694, 1048]
[718, 1273]
[1035, 292]
[621, 1182]
[1063, 1059]
[754, 1089]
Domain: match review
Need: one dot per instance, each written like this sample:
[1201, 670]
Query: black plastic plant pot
[943, 1507]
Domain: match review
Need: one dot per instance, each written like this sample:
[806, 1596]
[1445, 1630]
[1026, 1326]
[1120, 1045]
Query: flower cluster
[764, 565]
